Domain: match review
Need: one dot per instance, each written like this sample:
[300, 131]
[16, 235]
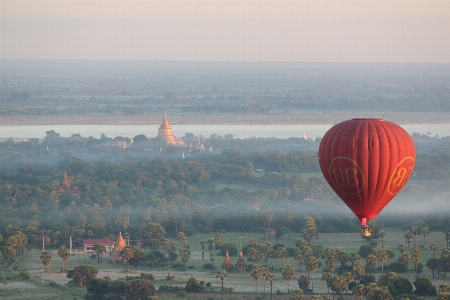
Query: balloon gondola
[366, 162]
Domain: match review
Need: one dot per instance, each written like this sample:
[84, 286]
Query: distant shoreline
[176, 119]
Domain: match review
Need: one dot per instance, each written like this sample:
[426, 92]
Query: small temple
[227, 262]
[65, 186]
[240, 264]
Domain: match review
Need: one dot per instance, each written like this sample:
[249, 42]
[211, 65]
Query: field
[52, 284]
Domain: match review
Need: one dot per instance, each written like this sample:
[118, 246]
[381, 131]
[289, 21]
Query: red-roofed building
[88, 245]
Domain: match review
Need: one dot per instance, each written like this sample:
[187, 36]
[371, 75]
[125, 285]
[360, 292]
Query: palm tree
[255, 255]
[297, 295]
[311, 265]
[382, 234]
[298, 257]
[222, 274]
[415, 231]
[65, 255]
[126, 254]
[185, 255]
[327, 276]
[264, 271]
[181, 238]
[408, 235]
[424, 231]
[402, 248]
[99, 248]
[434, 247]
[371, 261]
[416, 255]
[405, 259]
[358, 269]
[288, 273]
[256, 274]
[271, 278]
[203, 244]
[211, 258]
[382, 256]
[271, 232]
[46, 258]
[358, 291]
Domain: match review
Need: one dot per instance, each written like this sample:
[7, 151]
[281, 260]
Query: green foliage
[82, 274]
[424, 287]
[170, 289]
[397, 267]
[193, 286]
[365, 250]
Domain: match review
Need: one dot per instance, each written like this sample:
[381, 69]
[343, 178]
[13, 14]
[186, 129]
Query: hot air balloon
[367, 162]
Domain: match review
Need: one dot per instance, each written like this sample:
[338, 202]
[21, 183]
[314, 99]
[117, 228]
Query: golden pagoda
[120, 244]
[165, 132]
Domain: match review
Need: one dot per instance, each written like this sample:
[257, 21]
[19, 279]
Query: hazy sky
[227, 30]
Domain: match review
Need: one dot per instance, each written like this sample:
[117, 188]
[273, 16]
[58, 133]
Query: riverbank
[177, 118]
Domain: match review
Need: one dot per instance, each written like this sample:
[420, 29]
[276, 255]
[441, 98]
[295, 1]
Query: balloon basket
[366, 232]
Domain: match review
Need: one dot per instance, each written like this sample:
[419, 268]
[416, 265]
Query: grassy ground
[54, 282]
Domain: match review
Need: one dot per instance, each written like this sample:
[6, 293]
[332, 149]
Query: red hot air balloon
[367, 162]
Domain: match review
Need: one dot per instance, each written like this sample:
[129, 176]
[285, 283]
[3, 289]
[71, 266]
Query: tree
[340, 284]
[82, 274]
[271, 278]
[382, 234]
[298, 257]
[408, 236]
[312, 265]
[303, 282]
[203, 244]
[444, 288]
[358, 269]
[270, 233]
[219, 239]
[358, 291]
[405, 259]
[288, 273]
[65, 255]
[424, 287]
[297, 295]
[256, 275]
[99, 248]
[434, 247]
[327, 276]
[416, 255]
[374, 292]
[371, 261]
[402, 248]
[222, 274]
[97, 288]
[383, 256]
[424, 231]
[8, 253]
[185, 255]
[181, 237]
[153, 232]
[193, 286]
[141, 289]
[126, 254]
[46, 258]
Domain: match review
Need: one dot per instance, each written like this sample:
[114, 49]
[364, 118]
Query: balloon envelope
[367, 162]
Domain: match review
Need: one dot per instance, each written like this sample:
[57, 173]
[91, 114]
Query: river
[238, 131]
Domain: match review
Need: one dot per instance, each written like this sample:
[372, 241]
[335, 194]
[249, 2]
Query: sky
[227, 30]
